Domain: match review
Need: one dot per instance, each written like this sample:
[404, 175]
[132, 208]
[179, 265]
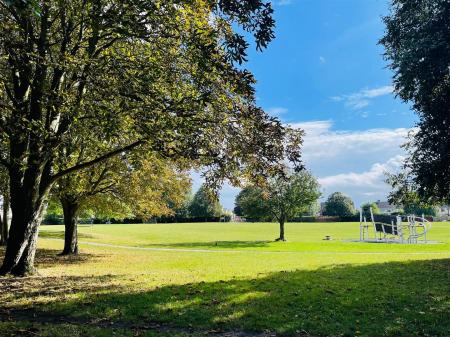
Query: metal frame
[413, 231]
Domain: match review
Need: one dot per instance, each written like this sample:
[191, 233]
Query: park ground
[227, 279]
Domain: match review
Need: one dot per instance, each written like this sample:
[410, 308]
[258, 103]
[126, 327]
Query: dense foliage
[338, 204]
[204, 205]
[417, 44]
[404, 193]
[281, 199]
[158, 76]
[365, 208]
[251, 204]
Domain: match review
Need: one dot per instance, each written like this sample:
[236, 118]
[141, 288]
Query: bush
[53, 219]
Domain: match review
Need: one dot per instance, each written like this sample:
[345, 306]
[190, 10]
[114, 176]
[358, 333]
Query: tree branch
[96, 161]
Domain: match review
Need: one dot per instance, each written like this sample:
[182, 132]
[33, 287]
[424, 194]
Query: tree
[313, 209]
[250, 203]
[289, 195]
[282, 198]
[417, 45]
[366, 209]
[404, 192]
[338, 204]
[420, 209]
[204, 205]
[155, 75]
[143, 188]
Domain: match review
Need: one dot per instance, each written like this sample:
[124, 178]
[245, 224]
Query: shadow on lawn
[390, 299]
[60, 235]
[214, 244]
[50, 257]
[29, 288]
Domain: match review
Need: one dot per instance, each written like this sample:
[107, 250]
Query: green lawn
[191, 279]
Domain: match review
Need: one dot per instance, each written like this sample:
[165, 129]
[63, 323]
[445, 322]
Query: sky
[325, 73]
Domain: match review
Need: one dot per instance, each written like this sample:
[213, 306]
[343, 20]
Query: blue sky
[325, 73]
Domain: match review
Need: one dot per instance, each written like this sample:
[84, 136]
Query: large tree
[404, 193]
[291, 195]
[417, 45]
[338, 204]
[136, 184]
[250, 203]
[282, 198]
[204, 205]
[149, 74]
[142, 188]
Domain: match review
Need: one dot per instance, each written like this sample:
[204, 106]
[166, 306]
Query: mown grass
[249, 236]
[236, 279]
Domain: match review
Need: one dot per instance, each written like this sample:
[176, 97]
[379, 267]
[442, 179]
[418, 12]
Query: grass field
[225, 279]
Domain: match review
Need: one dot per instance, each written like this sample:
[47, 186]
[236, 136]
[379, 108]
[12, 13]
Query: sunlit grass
[246, 236]
[245, 282]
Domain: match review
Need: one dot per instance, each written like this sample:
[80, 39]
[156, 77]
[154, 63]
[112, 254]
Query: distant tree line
[200, 207]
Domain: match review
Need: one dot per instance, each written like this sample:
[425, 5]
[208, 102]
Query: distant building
[444, 212]
[387, 208]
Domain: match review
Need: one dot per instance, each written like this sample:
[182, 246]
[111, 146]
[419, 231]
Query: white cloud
[352, 161]
[363, 186]
[283, 2]
[276, 111]
[373, 178]
[349, 161]
[381, 91]
[362, 98]
[321, 142]
[313, 128]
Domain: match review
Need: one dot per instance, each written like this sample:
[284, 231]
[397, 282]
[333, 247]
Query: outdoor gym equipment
[406, 229]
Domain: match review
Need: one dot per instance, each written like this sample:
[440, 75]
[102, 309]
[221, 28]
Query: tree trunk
[2, 239]
[70, 209]
[4, 223]
[21, 248]
[281, 237]
[27, 198]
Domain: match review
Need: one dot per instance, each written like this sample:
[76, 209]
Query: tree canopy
[289, 196]
[125, 186]
[366, 209]
[158, 76]
[338, 204]
[404, 193]
[250, 203]
[282, 198]
[417, 45]
[204, 205]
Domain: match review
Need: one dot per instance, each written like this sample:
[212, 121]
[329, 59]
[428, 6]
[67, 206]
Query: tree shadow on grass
[50, 257]
[29, 288]
[60, 235]
[389, 299]
[214, 244]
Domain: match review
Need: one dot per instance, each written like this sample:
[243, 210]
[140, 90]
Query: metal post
[400, 228]
[361, 229]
